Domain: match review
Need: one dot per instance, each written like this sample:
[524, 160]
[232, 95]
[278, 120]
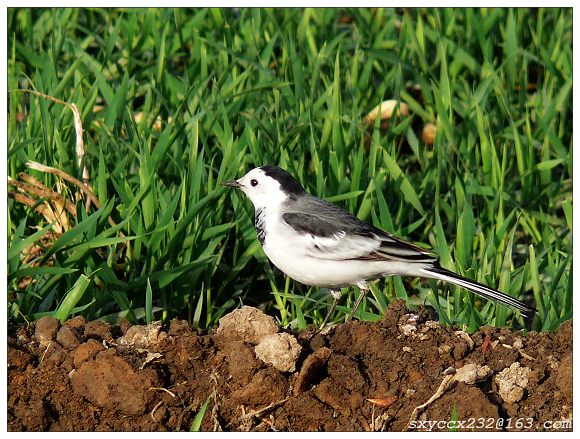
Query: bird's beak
[232, 183]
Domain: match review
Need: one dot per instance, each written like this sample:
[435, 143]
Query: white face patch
[262, 190]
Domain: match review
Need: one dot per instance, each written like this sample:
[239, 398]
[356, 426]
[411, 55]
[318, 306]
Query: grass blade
[72, 297]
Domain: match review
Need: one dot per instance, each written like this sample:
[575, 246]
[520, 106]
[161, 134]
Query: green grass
[233, 89]
[196, 423]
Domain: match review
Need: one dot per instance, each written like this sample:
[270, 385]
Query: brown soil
[404, 372]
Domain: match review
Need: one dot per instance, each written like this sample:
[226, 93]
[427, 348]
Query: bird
[318, 243]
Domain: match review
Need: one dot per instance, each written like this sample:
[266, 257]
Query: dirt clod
[471, 373]
[86, 351]
[280, 350]
[46, 329]
[99, 330]
[110, 382]
[356, 377]
[77, 322]
[512, 382]
[143, 337]
[67, 337]
[247, 324]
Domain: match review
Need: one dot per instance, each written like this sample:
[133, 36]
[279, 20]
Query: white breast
[291, 253]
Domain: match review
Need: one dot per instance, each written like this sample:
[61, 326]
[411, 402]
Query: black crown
[287, 183]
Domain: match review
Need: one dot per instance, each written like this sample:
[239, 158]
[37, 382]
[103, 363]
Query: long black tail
[477, 288]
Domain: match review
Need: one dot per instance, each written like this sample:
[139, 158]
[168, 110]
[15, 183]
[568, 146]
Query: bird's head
[267, 186]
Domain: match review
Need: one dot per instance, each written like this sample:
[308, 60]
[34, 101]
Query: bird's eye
[254, 182]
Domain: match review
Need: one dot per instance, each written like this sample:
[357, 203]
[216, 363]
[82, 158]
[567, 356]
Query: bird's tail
[477, 288]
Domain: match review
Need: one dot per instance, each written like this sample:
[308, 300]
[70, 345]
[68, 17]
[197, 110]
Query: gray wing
[330, 232]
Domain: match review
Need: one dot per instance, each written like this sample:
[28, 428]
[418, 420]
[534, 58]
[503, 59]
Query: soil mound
[403, 373]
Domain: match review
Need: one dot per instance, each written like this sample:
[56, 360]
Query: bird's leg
[364, 289]
[336, 293]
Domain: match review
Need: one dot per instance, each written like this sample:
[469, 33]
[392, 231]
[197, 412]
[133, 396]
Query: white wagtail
[320, 244]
